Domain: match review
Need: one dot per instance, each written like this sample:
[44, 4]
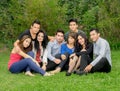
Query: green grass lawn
[59, 82]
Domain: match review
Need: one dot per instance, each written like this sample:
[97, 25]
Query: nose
[27, 44]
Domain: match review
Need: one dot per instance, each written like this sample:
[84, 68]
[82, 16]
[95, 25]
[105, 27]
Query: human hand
[88, 68]
[83, 50]
[57, 61]
[72, 55]
[44, 67]
[63, 57]
[17, 48]
[52, 39]
[44, 63]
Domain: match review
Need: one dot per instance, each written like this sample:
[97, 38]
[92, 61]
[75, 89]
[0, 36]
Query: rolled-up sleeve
[101, 53]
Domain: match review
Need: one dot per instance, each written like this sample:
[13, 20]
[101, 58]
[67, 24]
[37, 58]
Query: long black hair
[44, 42]
[78, 45]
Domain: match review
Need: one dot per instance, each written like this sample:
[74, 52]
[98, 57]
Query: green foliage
[101, 14]
[17, 15]
[11, 19]
[49, 13]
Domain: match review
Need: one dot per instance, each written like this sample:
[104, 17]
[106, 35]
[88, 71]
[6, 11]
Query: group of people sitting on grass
[71, 52]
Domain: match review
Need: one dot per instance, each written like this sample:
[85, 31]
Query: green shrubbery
[17, 15]
[102, 14]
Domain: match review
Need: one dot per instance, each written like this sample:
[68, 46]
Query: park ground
[59, 82]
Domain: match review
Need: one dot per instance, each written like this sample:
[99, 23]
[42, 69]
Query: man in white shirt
[102, 54]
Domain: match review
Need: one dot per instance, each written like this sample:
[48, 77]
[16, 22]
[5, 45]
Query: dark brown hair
[94, 29]
[73, 35]
[73, 20]
[36, 22]
[20, 44]
[59, 31]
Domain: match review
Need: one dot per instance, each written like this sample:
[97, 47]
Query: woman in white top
[40, 50]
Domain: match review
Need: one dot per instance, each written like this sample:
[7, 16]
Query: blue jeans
[26, 64]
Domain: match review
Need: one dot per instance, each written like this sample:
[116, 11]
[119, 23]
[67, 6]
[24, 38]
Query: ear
[98, 34]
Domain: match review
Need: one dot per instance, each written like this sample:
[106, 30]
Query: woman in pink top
[21, 59]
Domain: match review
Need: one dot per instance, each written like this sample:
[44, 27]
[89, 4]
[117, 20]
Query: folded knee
[31, 54]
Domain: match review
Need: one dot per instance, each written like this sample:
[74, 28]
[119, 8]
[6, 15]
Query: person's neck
[59, 42]
[32, 34]
[83, 46]
[97, 39]
[40, 45]
[75, 31]
[70, 45]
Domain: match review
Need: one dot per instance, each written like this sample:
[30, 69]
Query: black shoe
[68, 74]
[81, 73]
[74, 72]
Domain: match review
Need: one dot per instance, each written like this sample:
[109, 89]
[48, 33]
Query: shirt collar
[97, 42]
[55, 42]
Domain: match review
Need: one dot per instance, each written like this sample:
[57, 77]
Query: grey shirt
[53, 49]
[66, 34]
[101, 49]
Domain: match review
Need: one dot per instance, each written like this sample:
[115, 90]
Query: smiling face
[35, 28]
[26, 42]
[40, 37]
[94, 35]
[81, 40]
[73, 26]
[71, 40]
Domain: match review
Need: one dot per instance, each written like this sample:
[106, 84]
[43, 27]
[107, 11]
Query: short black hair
[73, 20]
[36, 21]
[59, 31]
[94, 29]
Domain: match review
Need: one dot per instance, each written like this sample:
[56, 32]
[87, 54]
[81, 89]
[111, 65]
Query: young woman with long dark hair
[40, 50]
[83, 55]
[22, 59]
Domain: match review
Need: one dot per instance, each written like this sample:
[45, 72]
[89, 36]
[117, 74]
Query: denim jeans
[26, 64]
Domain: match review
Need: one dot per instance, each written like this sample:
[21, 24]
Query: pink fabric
[14, 57]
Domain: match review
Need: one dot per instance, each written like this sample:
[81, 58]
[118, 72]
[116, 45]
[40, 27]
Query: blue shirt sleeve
[63, 49]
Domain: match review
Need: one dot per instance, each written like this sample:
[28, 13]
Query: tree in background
[102, 14]
[17, 15]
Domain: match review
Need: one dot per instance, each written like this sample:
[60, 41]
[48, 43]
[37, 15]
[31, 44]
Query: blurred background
[17, 15]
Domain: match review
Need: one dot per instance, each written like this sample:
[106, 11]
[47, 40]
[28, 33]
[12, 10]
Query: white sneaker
[47, 74]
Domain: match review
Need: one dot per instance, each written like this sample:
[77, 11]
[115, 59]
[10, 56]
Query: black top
[27, 32]
[89, 50]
